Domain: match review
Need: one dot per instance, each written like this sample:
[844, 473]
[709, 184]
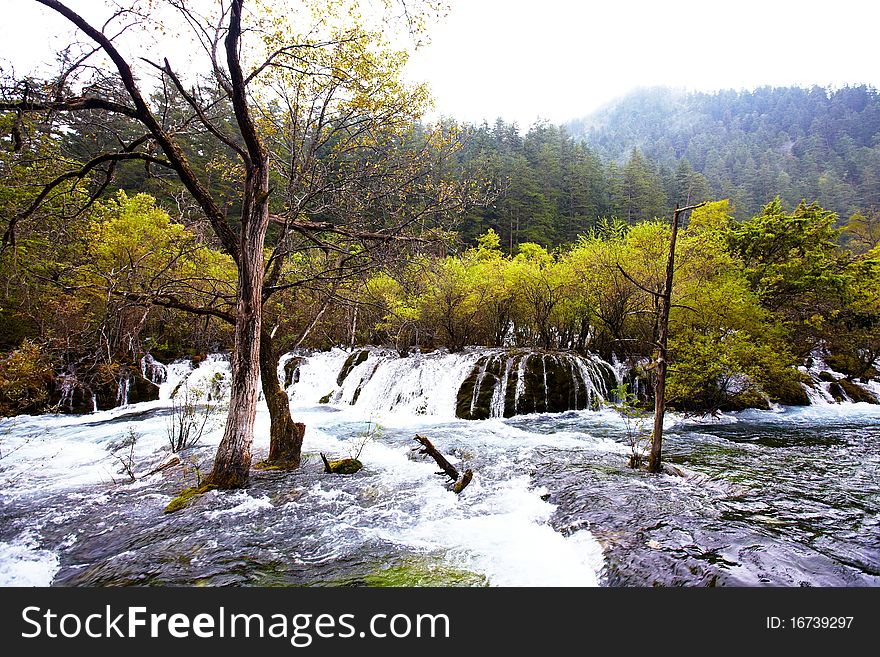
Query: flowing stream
[786, 497]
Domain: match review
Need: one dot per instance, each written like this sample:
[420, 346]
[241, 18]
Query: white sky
[561, 59]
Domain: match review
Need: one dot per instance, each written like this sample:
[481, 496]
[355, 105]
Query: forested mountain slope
[813, 144]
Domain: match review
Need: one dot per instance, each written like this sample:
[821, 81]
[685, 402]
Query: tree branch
[82, 172]
[142, 113]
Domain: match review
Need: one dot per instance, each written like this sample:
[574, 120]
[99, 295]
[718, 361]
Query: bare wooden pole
[661, 364]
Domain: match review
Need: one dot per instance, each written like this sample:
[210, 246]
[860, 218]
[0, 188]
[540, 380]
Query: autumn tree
[247, 55]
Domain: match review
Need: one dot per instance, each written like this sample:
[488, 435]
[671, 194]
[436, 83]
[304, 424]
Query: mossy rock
[341, 466]
[837, 392]
[355, 359]
[326, 398]
[551, 383]
[186, 497]
[466, 394]
[857, 393]
[790, 391]
[827, 377]
[421, 573]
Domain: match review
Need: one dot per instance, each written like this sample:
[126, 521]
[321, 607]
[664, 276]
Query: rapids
[786, 497]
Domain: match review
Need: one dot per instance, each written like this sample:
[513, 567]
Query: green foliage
[25, 380]
[636, 422]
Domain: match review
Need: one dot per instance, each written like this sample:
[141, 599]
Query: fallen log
[170, 463]
[460, 481]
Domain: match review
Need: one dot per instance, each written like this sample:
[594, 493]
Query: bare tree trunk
[661, 364]
[285, 435]
[233, 460]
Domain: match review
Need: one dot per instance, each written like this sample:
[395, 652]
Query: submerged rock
[186, 497]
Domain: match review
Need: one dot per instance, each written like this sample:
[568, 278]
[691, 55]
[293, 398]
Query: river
[788, 497]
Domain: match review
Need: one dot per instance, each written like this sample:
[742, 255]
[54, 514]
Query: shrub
[25, 380]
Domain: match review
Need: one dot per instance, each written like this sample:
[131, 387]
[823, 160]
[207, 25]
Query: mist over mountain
[815, 144]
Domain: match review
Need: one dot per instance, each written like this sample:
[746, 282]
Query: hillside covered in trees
[533, 231]
[639, 157]
[816, 144]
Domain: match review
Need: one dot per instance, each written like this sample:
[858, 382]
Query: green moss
[419, 572]
[326, 398]
[342, 466]
[355, 359]
[186, 497]
[856, 392]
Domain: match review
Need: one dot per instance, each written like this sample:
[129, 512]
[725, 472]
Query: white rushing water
[498, 528]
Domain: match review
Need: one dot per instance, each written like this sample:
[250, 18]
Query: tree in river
[248, 55]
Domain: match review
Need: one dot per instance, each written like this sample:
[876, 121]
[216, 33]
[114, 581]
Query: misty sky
[560, 59]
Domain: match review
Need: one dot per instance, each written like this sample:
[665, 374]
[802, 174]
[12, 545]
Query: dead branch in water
[460, 480]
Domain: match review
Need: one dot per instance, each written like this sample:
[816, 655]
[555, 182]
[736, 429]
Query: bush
[26, 376]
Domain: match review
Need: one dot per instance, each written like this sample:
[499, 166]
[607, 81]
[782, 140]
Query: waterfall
[153, 370]
[474, 384]
[123, 385]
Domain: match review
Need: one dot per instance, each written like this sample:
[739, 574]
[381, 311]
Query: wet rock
[70, 395]
[355, 359]
[141, 389]
[856, 393]
[837, 392]
[291, 371]
[827, 377]
[519, 382]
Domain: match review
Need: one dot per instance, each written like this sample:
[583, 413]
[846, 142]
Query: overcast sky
[561, 59]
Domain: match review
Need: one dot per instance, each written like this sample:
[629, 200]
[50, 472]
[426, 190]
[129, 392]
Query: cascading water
[152, 370]
[787, 497]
